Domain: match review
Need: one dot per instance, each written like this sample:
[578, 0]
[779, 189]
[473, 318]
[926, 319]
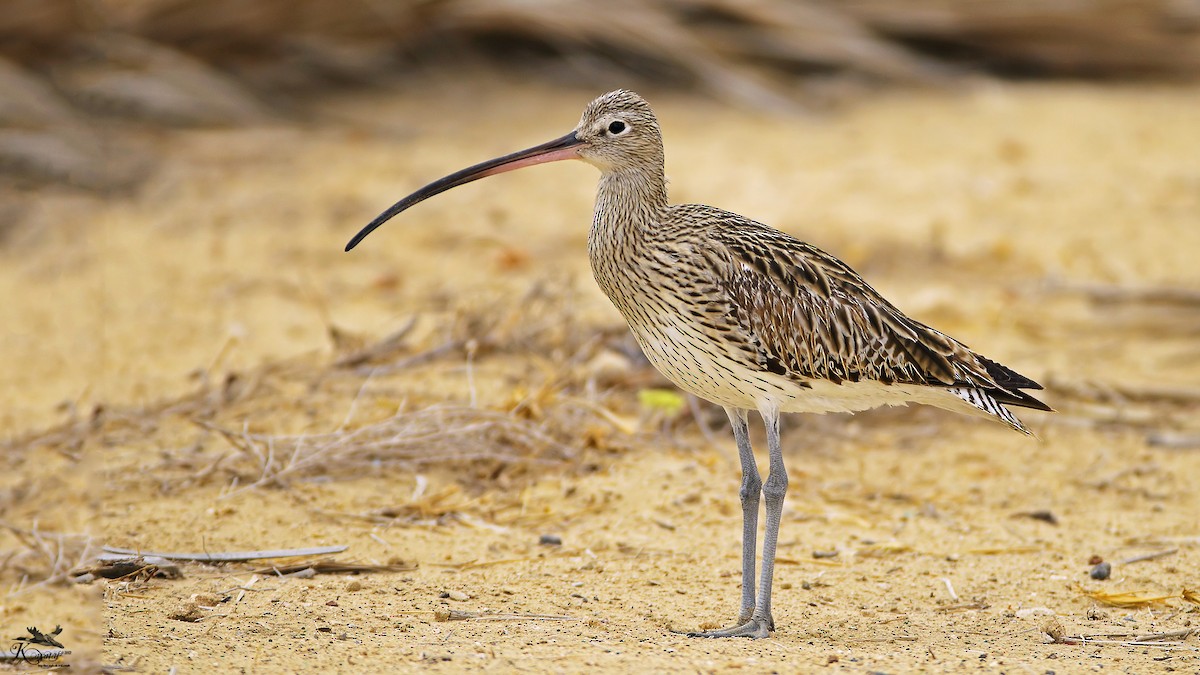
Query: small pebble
[354, 586]
[550, 540]
[1101, 571]
[1043, 515]
[456, 595]
[824, 554]
[1095, 560]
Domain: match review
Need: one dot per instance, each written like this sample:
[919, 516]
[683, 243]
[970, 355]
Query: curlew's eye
[617, 127]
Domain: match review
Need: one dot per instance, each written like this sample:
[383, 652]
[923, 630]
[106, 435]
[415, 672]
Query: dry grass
[42, 558]
[582, 406]
[409, 441]
[577, 393]
[389, 427]
[389, 424]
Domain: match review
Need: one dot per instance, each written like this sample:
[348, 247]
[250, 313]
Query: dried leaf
[1129, 599]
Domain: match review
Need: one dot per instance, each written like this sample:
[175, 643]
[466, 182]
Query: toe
[754, 628]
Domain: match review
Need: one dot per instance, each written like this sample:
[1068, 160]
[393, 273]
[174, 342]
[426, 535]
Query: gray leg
[755, 620]
[749, 494]
[774, 491]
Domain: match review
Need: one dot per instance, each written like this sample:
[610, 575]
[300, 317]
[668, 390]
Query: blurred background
[82, 80]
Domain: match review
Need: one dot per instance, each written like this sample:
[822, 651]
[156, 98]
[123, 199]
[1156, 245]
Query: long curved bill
[566, 147]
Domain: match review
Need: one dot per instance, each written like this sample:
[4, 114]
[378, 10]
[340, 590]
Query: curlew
[746, 316]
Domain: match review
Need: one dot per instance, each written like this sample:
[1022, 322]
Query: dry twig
[114, 553]
[1148, 556]
[332, 566]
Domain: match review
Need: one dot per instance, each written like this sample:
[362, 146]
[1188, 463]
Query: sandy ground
[1053, 228]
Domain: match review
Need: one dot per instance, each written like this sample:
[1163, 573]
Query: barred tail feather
[987, 404]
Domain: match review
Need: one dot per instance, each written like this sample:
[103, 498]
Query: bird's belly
[700, 365]
[713, 371]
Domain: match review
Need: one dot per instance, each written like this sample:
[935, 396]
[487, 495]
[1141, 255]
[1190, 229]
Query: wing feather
[808, 313]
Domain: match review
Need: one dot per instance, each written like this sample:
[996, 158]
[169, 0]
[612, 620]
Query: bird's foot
[754, 628]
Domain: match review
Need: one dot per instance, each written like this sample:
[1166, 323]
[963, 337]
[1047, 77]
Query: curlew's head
[617, 133]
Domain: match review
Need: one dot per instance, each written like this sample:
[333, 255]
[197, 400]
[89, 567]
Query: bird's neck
[629, 207]
[628, 204]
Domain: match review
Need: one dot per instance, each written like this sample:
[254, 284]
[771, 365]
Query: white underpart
[729, 383]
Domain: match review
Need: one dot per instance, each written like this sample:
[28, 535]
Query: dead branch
[114, 553]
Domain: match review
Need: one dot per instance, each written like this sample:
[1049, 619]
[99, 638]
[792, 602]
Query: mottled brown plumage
[746, 316]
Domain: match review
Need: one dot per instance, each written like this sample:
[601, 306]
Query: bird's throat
[628, 203]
